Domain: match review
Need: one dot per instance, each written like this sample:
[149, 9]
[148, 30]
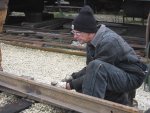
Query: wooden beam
[61, 97]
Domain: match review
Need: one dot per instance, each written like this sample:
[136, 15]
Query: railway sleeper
[23, 103]
[50, 95]
[16, 107]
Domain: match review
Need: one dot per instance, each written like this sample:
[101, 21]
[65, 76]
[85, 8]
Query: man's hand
[68, 78]
[64, 85]
[59, 84]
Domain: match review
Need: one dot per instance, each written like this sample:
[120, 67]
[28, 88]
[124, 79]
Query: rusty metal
[46, 44]
[37, 33]
[63, 39]
[40, 42]
[53, 95]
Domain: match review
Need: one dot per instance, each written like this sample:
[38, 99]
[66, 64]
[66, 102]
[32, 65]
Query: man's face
[81, 36]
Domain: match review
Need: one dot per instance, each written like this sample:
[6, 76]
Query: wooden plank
[16, 107]
[61, 97]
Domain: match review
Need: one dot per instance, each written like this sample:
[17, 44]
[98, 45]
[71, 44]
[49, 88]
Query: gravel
[143, 98]
[6, 99]
[45, 67]
[43, 108]
[41, 65]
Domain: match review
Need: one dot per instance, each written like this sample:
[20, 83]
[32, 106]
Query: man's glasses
[77, 33]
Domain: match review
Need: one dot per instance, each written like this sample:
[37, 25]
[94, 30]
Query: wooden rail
[61, 97]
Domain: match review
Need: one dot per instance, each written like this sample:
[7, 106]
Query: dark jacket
[109, 47]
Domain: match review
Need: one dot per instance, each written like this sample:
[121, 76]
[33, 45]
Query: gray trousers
[106, 81]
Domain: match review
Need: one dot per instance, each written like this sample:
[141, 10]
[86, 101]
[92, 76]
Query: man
[113, 68]
[3, 13]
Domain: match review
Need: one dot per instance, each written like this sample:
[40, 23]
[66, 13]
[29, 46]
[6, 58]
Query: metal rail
[41, 42]
[53, 46]
[52, 95]
[50, 49]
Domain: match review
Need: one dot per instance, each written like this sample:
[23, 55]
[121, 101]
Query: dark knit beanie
[85, 21]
